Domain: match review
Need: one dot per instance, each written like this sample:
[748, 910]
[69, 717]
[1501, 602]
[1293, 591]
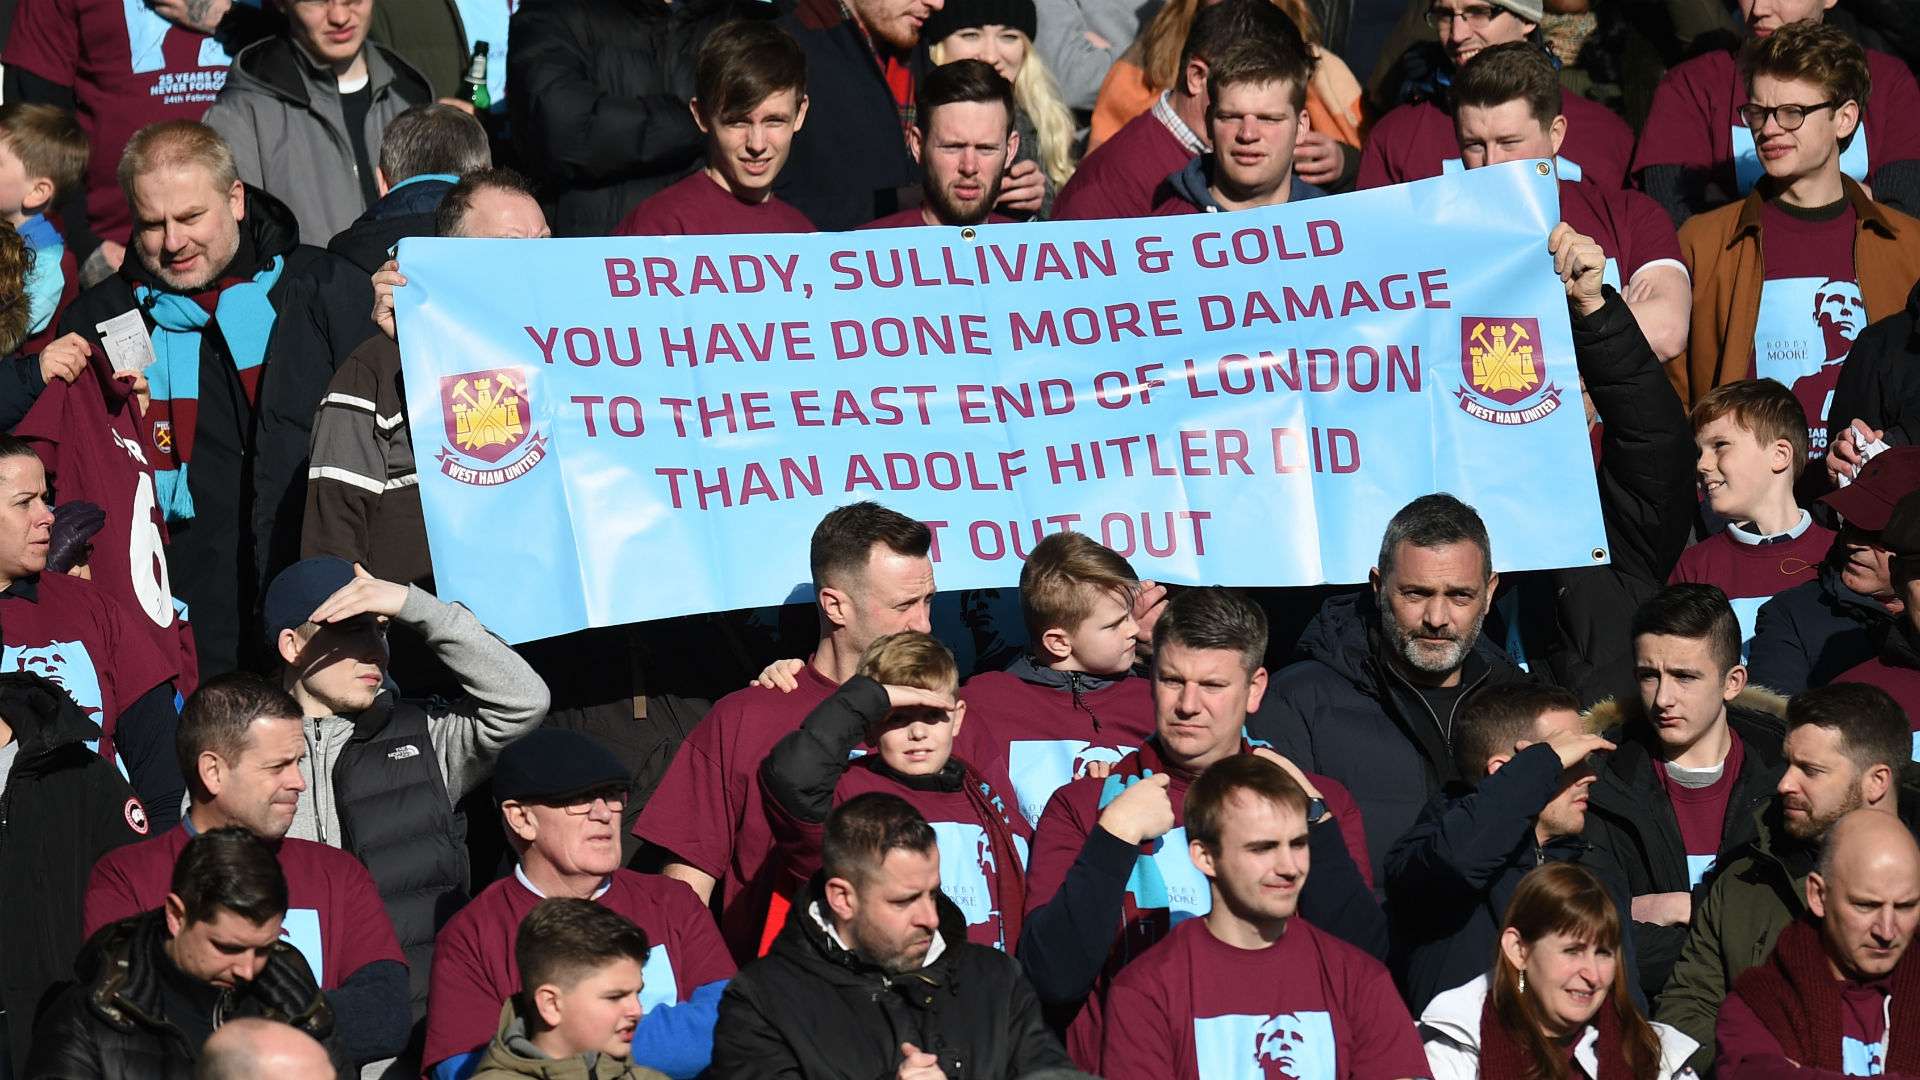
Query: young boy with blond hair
[43, 155]
[1752, 436]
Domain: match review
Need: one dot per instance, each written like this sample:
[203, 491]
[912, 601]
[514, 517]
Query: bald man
[1840, 995]
[249, 1048]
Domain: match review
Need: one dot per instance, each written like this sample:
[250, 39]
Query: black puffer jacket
[1879, 382]
[1571, 620]
[1813, 633]
[212, 559]
[598, 91]
[811, 1010]
[1342, 712]
[64, 807]
[1630, 819]
[112, 1023]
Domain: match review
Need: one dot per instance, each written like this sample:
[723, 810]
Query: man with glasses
[1806, 230]
[1416, 140]
[1697, 151]
[561, 795]
[383, 774]
[323, 88]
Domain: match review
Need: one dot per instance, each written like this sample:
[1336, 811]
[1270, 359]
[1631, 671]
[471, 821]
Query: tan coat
[1723, 252]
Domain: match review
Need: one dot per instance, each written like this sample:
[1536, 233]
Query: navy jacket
[1813, 633]
[1340, 711]
[1450, 878]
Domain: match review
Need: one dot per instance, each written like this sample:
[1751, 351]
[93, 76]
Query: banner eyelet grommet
[1543, 169]
[1599, 555]
[967, 233]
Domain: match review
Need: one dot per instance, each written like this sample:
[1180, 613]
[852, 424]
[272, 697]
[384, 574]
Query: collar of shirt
[520, 873]
[26, 588]
[820, 919]
[1743, 535]
[1163, 112]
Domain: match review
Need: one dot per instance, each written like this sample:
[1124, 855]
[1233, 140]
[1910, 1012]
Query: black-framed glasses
[1476, 17]
[1789, 116]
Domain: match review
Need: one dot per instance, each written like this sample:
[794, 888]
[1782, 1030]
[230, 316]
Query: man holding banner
[964, 140]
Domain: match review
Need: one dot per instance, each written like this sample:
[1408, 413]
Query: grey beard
[1403, 646]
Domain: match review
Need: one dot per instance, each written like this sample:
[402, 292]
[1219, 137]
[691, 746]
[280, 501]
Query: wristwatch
[1317, 810]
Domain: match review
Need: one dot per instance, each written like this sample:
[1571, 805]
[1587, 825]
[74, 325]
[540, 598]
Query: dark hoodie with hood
[1186, 191]
[128, 1016]
[62, 806]
[1814, 632]
[1342, 711]
[1631, 822]
[213, 558]
[812, 1010]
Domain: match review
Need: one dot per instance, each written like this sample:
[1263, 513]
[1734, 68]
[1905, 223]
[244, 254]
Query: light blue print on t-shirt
[1296, 1045]
[147, 36]
[301, 929]
[1186, 891]
[1040, 767]
[657, 985]
[1697, 868]
[1747, 169]
[65, 662]
[1746, 610]
[1862, 1059]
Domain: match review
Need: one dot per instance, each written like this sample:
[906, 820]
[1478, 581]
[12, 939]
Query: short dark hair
[1261, 61]
[860, 832]
[1492, 720]
[563, 940]
[1812, 52]
[1512, 71]
[217, 716]
[1207, 797]
[1432, 521]
[1214, 617]
[429, 139]
[12, 446]
[961, 80]
[844, 539]
[1694, 611]
[229, 868]
[1872, 728]
[452, 212]
[1218, 27]
[743, 63]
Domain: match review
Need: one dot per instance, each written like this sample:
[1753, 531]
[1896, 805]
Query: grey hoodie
[503, 700]
[282, 116]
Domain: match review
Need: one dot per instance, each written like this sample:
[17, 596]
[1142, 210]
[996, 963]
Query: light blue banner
[613, 430]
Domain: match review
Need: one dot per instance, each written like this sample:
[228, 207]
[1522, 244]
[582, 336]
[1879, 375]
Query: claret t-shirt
[1629, 227]
[128, 68]
[1417, 141]
[1810, 306]
[1307, 1006]
[1702, 812]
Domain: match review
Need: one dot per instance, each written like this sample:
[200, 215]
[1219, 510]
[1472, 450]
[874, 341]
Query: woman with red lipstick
[1555, 1005]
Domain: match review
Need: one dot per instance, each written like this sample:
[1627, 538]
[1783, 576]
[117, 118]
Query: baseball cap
[1868, 502]
[299, 590]
[1901, 537]
[552, 764]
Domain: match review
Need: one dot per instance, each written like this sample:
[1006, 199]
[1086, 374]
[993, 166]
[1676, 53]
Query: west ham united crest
[489, 421]
[1504, 366]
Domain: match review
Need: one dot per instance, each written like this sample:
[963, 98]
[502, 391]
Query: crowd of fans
[269, 807]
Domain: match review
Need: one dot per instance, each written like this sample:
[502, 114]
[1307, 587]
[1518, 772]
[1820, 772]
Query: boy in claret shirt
[1784, 279]
[1073, 700]
[901, 708]
[1250, 989]
[750, 97]
[43, 157]
[1752, 436]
